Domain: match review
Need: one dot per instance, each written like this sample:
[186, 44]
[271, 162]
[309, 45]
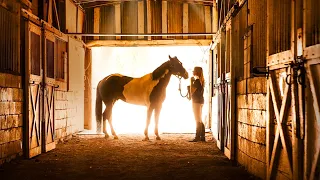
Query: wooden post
[208, 20]
[185, 19]
[140, 19]
[96, 22]
[149, 18]
[117, 12]
[50, 12]
[164, 18]
[215, 17]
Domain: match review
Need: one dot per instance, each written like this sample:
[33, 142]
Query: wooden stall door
[49, 87]
[34, 95]
[221, 94]
[229, 99]
[311, 57]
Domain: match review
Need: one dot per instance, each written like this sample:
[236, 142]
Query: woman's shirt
[197, 96]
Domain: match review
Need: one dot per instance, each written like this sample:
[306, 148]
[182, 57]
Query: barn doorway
[176, 115]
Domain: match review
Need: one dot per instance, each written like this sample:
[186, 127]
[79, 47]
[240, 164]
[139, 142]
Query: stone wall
[11, 119]
[251, 123]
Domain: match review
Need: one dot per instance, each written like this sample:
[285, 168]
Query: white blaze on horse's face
[138, 90]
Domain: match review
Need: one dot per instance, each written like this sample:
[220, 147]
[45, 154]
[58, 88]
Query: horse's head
[176, 67]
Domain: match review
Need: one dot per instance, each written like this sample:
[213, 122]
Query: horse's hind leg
[156, 119]
[149, 113]
[105, 123]
[107, 115]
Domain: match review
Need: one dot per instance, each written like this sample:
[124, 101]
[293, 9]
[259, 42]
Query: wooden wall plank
[96, 21]
[117, 12]
[185, 19]
[141, 18]
[164, 18]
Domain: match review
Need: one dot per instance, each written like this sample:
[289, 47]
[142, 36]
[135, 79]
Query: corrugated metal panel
[196, 21]
[9, 46]
[89, 22]
[312, 22]
[156, 20]
[129, 15]
[107, 18]
[280, 29]
[175, 19]
[258, 18]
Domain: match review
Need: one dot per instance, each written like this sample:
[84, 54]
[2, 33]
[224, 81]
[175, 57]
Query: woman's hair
[199, 72]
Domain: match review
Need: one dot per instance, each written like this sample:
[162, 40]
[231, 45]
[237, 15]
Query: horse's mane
[157, 73]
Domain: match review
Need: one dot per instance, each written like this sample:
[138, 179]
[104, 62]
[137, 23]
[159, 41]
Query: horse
[148, 90]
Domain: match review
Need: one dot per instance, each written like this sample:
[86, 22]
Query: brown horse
[148, 90]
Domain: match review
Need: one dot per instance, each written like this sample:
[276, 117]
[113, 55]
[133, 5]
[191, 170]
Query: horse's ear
[170, 57]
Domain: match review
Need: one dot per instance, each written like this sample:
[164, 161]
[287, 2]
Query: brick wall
[251, 123]
[11, 120]
[66, 114]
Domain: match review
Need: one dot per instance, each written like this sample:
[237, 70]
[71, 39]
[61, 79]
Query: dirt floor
[129, 157]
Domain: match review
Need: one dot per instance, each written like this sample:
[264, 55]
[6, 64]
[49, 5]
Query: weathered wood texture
[258, 19]
[71, 16]
[11, 117]
[129, 19]
[251, 125]
[89, 14]
[156, 19]
[88, 90]
[279, 26]
[175, 18]
[312, 14]
[107, 21]
[10, 33]
[196, 23]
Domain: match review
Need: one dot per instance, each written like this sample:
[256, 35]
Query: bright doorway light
[176, 114]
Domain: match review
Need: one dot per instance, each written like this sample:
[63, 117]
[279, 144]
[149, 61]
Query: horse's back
[112, 86]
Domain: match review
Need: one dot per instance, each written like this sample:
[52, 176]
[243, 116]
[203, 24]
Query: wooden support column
[117, 12]
[185, 19]
[96, 21]
[149, 19]
[140, 18]
[164, 18]
[50, 12]
[214, 17]
[207, 17]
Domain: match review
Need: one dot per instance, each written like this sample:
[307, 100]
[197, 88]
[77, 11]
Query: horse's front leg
[156, 119]
[149, 113]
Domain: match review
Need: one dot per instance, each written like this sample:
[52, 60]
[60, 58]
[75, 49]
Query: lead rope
[184, 96]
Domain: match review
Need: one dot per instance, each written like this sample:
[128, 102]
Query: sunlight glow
[176, 114]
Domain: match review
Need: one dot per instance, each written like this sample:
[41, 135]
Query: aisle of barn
[129, 157]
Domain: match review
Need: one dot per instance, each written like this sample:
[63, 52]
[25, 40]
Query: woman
[196, 89]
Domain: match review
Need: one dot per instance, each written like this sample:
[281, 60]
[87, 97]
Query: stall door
[34, 90]
[49, 87]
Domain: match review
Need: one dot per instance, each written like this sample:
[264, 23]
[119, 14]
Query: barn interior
[261, 64]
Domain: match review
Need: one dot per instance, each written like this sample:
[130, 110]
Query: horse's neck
[161, 71]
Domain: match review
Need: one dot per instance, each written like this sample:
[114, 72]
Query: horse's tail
[98, 110]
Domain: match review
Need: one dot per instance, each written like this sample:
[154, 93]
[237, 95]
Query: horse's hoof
[158, 138]
[145, 139]
[106, 136]
[115, 137]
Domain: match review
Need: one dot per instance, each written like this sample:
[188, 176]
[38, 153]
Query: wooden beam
[185, 19]
[128, 43]
[96, 21]
[56, 13]
[215, 17]
[208, 20]
[140, 18]
[50, 12]
[117, 12]
[149, 17]
[164, 18]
